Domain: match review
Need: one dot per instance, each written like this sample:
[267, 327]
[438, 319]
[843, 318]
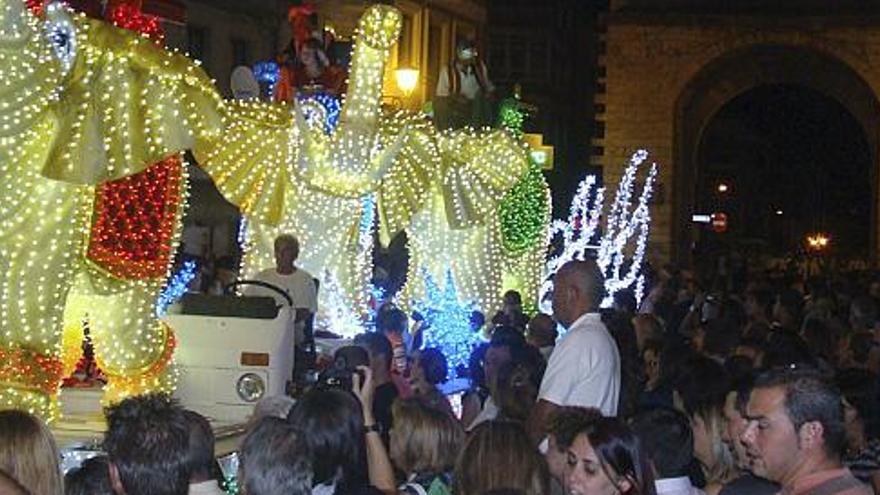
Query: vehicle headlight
[250, 387]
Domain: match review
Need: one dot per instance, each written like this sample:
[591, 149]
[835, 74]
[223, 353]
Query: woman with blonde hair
[700, 392]
[424, 443]
[711, 451]
[28, 453]
[499, 455]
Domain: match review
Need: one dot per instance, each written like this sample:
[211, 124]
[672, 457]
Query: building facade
[669, 66]
[224, 34]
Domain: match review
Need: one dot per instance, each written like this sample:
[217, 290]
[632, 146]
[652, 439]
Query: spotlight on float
[407, 78]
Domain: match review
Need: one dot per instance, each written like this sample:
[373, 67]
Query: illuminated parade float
[93, 186]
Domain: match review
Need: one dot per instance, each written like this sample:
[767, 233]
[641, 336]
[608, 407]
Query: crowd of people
[703, 389]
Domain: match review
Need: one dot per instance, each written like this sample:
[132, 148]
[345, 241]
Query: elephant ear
[478, 169]
[124, 104]
[404, 189]
[252, 162]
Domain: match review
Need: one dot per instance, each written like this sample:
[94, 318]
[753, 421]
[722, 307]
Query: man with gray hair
[293, 280]
[584, 368]
[274, 459]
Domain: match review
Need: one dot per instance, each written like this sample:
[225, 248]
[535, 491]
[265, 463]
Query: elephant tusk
[386, 159]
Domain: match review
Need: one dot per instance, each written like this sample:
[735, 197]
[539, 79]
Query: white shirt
[299, 285]
[487, 413]
[209, 487]
[584, 369]
[469, 85]
[676, 486]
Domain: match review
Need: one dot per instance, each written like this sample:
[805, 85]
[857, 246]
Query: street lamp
[723, 187]
[407, 79]
[818, 242]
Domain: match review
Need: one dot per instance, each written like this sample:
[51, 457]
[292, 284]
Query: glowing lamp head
[723, 187]
[407, 79]
[818, 242]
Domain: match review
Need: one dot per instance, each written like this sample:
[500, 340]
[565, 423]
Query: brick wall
[652, 61]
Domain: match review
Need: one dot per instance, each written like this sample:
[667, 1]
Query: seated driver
[296, 282]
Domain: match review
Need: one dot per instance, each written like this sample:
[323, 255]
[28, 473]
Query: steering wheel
[266, 285]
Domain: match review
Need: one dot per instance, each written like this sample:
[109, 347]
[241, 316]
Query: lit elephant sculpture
[87, 230]
[288, 174]
[84, 105]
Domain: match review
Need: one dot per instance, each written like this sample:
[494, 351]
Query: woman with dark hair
[499, 454]
[605, 458]
[429, 369]
[91, 478]
[860, 415]
[333, 427]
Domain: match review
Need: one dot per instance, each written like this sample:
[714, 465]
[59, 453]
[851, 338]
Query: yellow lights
[379, 27]
[443, 188]
[378, 30]
[818, 242]
[407, 79]
[125, 104]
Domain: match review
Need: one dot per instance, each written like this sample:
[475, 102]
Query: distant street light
[723, 187]
[779, 213]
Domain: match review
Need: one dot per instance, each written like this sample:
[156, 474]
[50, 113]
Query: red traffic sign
[719, 222]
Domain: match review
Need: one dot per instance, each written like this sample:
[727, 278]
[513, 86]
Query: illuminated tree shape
[577, 234]
[448, 321]
[626, 222]
[339, 317]
[176, 287]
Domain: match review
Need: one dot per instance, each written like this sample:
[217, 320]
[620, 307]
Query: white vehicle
[231, 352]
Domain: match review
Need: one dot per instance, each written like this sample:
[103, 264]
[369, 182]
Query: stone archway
[738, 71]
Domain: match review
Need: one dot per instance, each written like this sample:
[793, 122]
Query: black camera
[345, 363]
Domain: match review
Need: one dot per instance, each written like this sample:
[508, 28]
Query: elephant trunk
[377, 31]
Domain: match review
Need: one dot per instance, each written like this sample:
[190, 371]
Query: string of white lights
[624, 224]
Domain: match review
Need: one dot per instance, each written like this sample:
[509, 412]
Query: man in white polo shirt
[584, 369]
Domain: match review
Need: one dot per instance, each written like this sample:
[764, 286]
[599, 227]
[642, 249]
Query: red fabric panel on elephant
[134, 221]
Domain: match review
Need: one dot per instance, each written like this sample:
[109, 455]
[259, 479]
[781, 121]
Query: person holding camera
[338, 426]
